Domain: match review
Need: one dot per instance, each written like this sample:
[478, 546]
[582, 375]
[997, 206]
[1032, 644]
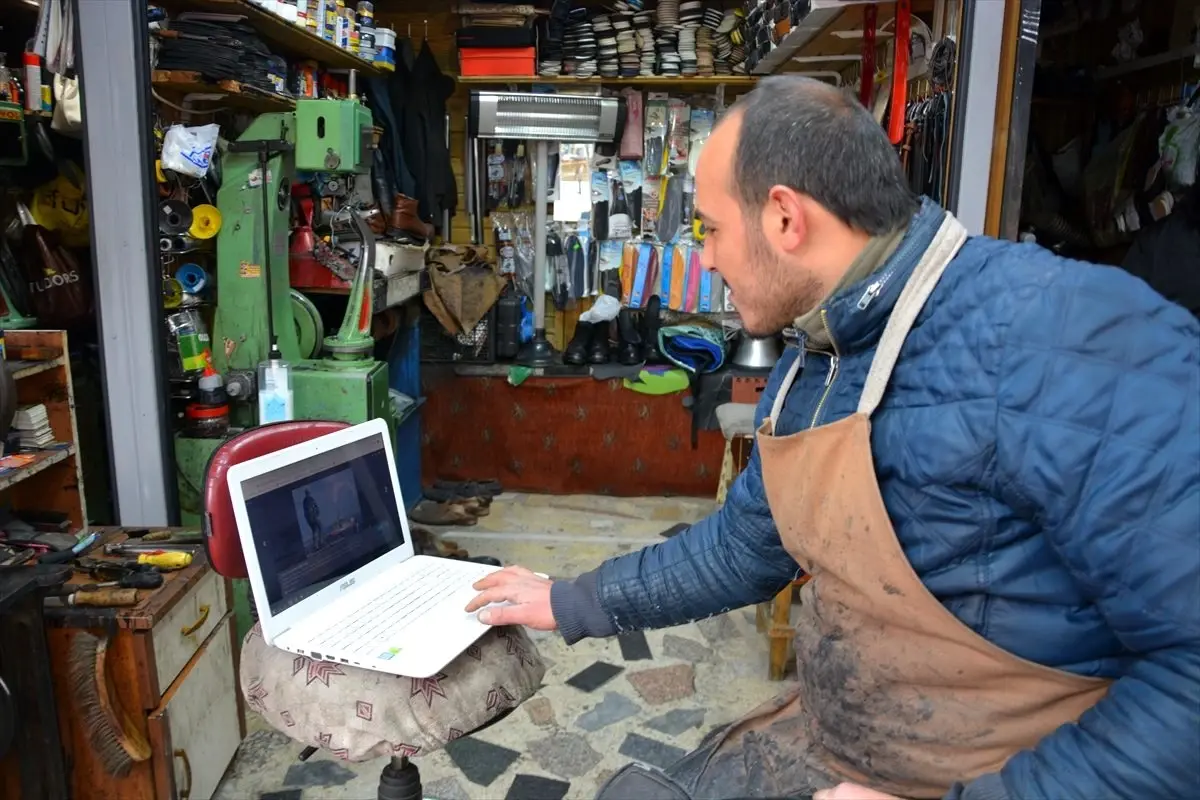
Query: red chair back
[220, 528]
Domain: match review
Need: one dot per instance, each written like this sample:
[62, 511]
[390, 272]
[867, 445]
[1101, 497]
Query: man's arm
[730, 559]
[1099, 439]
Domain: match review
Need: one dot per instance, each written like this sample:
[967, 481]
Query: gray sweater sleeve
[577, 610]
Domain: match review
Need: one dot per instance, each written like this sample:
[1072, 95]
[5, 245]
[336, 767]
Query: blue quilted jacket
[1038, 450]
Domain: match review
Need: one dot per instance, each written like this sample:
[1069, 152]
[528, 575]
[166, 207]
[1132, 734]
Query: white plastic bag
[189, 151]
[1179, 147]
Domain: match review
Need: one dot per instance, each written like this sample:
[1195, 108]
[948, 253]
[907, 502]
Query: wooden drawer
[196, 730]
[178, 635]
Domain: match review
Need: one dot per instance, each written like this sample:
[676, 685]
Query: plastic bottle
[275, 403]
[33, 81]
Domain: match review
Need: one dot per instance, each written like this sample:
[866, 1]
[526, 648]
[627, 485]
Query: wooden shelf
[52, 480]
[231, 93]
[283, 37]
[1149, 62]
[42, 459]
[25, 369]
[658, 81]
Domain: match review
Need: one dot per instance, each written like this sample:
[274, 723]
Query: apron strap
[941, 251]
[785, 387]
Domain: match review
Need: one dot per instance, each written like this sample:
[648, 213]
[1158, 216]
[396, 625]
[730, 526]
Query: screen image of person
[318, 520]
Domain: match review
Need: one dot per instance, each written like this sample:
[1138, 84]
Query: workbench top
[155, 603]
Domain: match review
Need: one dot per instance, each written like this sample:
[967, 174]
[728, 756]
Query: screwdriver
[164, 560]
[130, 580]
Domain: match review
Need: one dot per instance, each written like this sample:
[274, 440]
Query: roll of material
[206, 222]
[174, 218]
[192, 277]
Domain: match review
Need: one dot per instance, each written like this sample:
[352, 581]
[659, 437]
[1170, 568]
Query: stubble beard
[781, 293]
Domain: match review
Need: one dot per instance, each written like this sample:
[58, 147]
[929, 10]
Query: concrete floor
[564, 741]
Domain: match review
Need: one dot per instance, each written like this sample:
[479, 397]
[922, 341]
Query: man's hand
[527, 594]
[850, 791]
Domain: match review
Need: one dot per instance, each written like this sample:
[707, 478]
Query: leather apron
[893, 691]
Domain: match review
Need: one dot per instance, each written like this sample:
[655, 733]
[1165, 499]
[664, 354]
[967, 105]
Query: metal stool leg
[400, 780]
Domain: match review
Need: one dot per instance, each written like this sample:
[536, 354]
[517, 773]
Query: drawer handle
[187, 772]
[197, 625]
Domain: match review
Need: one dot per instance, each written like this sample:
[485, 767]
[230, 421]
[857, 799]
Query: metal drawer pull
[187, 772]
[190, 629]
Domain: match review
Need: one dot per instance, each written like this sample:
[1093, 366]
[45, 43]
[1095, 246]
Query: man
[312, 514]
[987, 458]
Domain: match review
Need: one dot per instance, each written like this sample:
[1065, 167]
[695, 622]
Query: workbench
[173, 666]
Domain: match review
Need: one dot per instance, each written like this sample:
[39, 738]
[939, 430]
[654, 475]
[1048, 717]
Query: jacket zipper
[833, 370]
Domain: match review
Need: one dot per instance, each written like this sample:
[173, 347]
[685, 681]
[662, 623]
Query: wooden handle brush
[113, 734]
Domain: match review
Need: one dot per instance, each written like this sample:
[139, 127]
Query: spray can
[33, 81]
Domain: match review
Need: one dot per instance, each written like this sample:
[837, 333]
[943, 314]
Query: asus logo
[346, 585]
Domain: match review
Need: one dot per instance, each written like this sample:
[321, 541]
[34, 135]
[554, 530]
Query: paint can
[385, 48]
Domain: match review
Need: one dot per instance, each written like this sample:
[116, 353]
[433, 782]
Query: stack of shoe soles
[455, 503]
[723, 41]
[690, 15]
[666, 36]
[550, 43]
[637, 338]
[579, 45]
[706, 41]
[627, 44]
[643, 26]
[222, 51]
[608, 48]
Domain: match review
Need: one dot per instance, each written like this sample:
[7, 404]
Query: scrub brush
[113, 734]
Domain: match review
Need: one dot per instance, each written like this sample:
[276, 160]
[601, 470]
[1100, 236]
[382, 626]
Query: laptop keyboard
[380, 622]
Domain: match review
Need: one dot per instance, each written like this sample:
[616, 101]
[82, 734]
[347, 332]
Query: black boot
[651, 322]
[598, 351]
[630, 351]
[576, 353]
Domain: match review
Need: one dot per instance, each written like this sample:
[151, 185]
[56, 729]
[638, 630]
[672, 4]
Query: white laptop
[331, 562]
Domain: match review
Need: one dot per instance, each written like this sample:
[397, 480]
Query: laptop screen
[319, 519]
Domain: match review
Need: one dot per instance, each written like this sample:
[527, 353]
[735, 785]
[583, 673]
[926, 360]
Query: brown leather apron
[893, 691]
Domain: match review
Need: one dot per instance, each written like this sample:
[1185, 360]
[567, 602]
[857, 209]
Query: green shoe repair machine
[258, 315]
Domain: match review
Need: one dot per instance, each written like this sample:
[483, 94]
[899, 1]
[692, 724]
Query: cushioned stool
[357, 714]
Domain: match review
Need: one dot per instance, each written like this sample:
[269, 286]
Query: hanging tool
[902, 44]
[866, 82]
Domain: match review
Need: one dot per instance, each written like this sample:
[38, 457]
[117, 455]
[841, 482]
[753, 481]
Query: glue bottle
[275, 389]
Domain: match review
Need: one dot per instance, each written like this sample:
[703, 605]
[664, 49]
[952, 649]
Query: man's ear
[786, 218]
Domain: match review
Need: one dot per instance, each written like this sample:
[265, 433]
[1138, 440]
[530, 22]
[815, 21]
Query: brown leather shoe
[406, 218]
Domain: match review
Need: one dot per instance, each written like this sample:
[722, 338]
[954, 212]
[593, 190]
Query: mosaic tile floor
[604, 703]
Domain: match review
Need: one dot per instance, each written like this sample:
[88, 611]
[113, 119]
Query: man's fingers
[500, 577]
[498, 594]
[505, 615]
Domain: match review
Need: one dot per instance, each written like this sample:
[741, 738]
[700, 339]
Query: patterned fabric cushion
[358, 715]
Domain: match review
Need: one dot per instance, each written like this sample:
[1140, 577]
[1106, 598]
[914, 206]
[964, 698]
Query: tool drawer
[177, 636]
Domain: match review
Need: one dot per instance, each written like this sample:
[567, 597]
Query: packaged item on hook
[678, 133]
[524, 252]
[506, 251]
[656, 157]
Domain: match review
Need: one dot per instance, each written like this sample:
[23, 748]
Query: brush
[112, 733]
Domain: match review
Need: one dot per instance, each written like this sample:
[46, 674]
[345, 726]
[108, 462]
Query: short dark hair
[811, 137]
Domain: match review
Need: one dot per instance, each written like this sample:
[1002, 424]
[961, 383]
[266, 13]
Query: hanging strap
[786, 387]
[945, 246]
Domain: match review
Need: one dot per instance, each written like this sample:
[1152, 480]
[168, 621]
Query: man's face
[747, 247]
